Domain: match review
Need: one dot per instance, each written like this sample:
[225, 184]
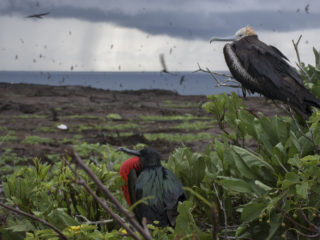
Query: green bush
[259, 179]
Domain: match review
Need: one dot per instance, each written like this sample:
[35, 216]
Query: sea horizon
[183, 82]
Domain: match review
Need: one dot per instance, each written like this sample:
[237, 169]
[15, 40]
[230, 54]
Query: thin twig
[128, 215]
[223, 83]
[291, 220]
[18, 211]
[222, 208]
[87, 221]
[109, 211]
[308, 221]
[214, 215]
[296, 45]
[304, 72]
[102, 203]
[280, 163]
[305, 235]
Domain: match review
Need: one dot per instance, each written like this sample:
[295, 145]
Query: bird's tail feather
[312, 100]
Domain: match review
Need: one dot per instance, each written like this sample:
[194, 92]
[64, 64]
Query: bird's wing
[132, 178]
[172, 189]
[40, 15]
[172, 193]
[148, 187]
[289, 69]
[268, 65]
[44, 14]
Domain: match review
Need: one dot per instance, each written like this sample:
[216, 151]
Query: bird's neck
[150, 163]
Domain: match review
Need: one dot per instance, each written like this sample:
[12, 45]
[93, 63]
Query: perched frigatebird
[264, 69]
[160, 190]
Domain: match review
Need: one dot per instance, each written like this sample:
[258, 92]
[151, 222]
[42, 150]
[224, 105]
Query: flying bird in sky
[306, 8]
[40, 15]
[264, 69]
[145, 178]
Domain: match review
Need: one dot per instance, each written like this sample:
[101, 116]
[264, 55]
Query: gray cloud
[182, 24]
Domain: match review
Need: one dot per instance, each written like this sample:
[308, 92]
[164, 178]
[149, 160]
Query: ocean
[184, 83]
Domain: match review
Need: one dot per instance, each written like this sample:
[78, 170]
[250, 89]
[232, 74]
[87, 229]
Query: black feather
[165, 191]
[269, 73]
[160, 189]
[132, 179]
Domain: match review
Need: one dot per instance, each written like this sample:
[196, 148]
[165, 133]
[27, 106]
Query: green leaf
[302, 189]
[185, 223]
[252, 211]
[252, 159]
[262, 185]
[295, 161]
[293, 138]
[189, 167]
[275, 221]
[61, 219]
[311, 160]
[235, 184]
[21, 226]
[243, 169]
[316, 56]
[291, 178]
[307, 146]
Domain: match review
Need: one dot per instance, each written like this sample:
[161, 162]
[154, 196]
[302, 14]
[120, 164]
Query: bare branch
[224, 83]
[222, 208]
[309, 236]
[299, 65]
[282, 166]
[18, 211]
[292, 220]
[295, 45]
[128, 215]
[108, 210]
[308, 221]
[87, 221]
[214, 215]
[102, 203]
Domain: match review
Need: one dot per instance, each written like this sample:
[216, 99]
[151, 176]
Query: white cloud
[58, 44]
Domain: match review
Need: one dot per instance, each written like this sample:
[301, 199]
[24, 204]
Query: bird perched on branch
[264, 69]
[156, 186]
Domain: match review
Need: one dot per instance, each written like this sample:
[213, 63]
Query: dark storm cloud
[182, 24]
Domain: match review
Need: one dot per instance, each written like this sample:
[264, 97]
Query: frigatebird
[264, 69]
[40, 15]
[157, 187]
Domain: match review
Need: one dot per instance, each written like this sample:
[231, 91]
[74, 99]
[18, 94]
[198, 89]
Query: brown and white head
[241, 33]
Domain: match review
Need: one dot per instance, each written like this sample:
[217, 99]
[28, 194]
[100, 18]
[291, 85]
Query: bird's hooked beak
[218, 39]
[129, 151]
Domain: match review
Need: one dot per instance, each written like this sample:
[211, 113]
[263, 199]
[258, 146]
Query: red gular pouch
[124, 172]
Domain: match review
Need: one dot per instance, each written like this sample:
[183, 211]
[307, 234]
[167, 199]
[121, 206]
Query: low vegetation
[259, 179]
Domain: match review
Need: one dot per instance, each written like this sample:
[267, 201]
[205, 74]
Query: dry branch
[299, 65]
[224, 83]
[128, 215]
[20, 212]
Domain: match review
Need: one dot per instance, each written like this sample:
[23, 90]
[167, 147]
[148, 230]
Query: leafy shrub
[259, 179]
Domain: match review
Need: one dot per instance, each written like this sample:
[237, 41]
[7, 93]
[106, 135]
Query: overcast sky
[129, 35]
